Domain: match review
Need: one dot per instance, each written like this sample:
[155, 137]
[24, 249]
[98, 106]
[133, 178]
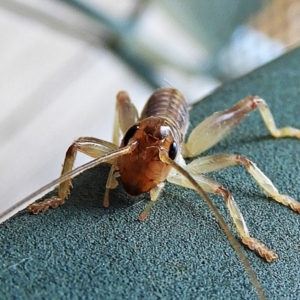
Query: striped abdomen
[169, 104]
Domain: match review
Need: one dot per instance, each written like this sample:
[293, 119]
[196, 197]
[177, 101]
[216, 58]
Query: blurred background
[62, 63]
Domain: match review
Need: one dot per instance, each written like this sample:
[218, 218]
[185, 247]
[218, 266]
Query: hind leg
[216, 127]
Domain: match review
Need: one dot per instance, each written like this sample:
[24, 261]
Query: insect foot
[42, 206]
[288, 201]
[260, 248]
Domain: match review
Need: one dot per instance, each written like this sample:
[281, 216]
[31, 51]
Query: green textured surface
[83, 251]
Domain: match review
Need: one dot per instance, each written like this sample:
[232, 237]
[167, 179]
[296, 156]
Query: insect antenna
[234, 243]
[27, 200]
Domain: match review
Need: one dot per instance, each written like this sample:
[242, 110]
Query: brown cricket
[152, 150]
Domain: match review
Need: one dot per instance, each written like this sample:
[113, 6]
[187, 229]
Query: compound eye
[130, 133]
[173, 150]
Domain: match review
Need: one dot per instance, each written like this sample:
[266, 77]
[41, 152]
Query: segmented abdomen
[170, 104]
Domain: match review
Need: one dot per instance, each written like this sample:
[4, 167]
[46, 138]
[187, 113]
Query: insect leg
[211, 186]
[214, 128]
[179, 168]
[111, 183]
[220, 161]
[125, 116]
[154, 194]
[92, 147]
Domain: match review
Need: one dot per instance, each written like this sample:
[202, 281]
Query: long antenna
[27, 200]
[234, 243]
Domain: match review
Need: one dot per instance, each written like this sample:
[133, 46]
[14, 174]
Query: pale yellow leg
[111, 183]
[270, 122]
[92, 147]
[154, 194]
[216, 127]
[211, 186]
[125, 116]
[220, 161]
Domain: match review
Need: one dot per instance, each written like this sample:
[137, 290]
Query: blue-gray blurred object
[212, 22]
[218, 38]
[221, 27]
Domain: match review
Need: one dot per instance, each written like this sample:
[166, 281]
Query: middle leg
[220, 161]
[211, 186]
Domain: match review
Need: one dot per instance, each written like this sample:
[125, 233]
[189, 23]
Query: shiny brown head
[141, 170]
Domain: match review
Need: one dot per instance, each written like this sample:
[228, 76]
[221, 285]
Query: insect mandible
[152, 150]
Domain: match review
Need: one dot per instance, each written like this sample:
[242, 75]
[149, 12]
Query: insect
[152, 150]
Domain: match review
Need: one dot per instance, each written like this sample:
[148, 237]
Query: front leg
[154, 194]
[126, 115]
[90, 146]
[216, 127]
